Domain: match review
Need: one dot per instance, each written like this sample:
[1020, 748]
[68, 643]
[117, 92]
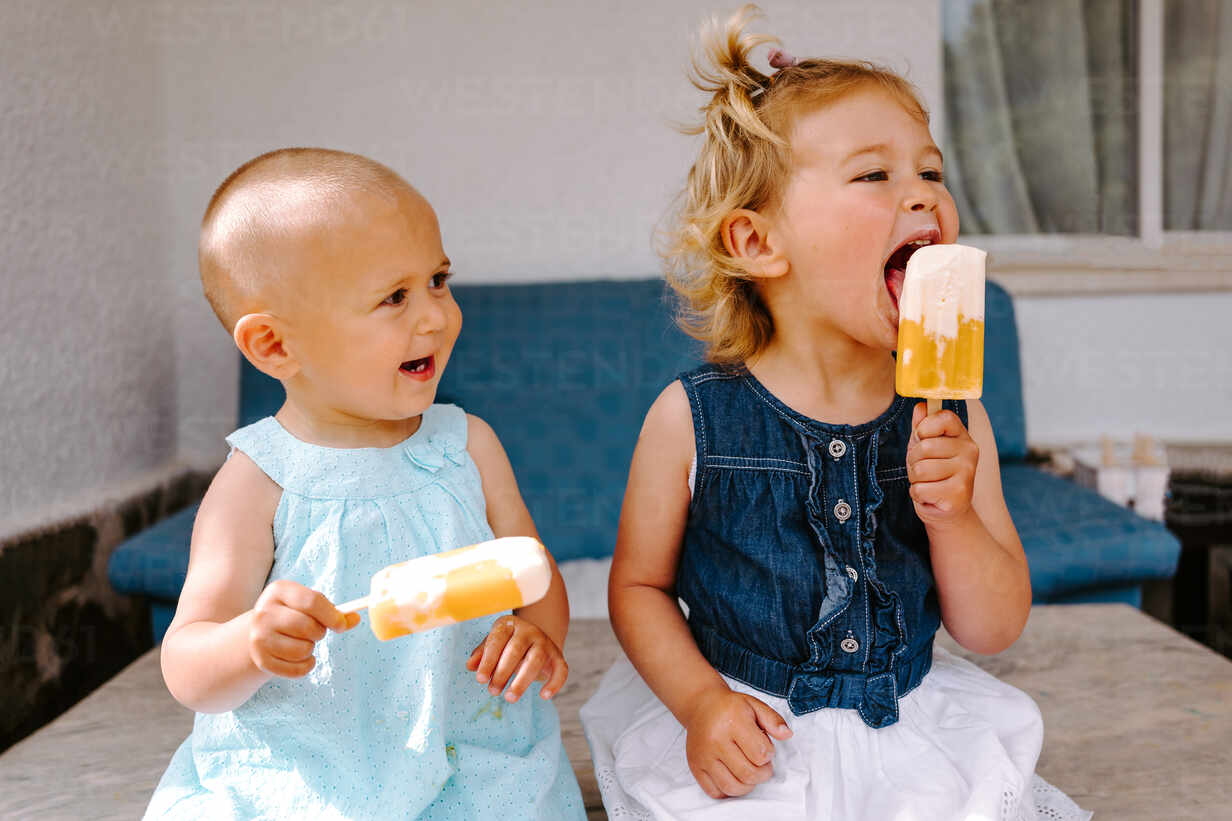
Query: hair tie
[780, 59]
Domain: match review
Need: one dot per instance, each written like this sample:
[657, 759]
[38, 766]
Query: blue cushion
[161, 614]
[1129, 594]
[260, 395]
[1076, 539]
[492, 326]
[153, 562]
[1003, 375]
[564, 374]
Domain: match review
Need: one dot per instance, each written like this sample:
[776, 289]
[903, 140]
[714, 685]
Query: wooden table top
[1138, 722]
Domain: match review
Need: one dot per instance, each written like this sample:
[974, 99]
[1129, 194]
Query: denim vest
[804, 565]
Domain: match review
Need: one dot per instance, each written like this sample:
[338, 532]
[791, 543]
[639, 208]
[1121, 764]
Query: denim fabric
[804, 565]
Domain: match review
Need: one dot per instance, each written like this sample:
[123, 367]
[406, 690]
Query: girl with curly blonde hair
[818, 528]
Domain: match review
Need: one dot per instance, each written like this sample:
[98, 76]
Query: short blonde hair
[745, 161]
[270, 198]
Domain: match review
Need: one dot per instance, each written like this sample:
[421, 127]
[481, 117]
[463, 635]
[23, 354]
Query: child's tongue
[894, 283]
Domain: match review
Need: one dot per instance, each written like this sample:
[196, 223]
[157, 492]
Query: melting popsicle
[941, 325]
[446, 588]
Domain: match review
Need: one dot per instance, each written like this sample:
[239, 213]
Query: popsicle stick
[354, 606]
[934, 405]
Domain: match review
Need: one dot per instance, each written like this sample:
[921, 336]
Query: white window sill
[1055, 265]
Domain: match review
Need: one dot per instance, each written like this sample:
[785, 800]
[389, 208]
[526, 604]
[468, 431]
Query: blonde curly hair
[745, 162]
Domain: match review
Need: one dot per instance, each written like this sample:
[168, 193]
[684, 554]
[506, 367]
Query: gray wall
[87, 302]
[541, 134]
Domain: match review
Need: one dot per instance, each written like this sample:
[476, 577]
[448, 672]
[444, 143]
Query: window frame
[1155, 261]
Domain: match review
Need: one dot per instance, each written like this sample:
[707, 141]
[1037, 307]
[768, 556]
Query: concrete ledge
[1138, 722]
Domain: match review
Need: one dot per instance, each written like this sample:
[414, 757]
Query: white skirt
[964, 748]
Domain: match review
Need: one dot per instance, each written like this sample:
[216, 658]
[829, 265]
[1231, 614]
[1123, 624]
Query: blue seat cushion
[565, 371]
[153, 562]
[1129, 594]
[1076, 539]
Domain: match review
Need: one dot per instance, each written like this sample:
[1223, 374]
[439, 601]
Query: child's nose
[431, 319]
[920, 197]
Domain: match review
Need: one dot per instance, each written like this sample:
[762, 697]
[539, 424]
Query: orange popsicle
[446, 588]
[941, 325]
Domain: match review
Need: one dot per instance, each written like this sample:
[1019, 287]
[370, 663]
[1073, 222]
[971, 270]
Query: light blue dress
[377, 730]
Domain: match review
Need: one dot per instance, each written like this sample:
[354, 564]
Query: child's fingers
[917, 415]
[707, 784]
[503, 629]
[287, 669]
[310, 603]
[532, 663]
[349, 622]
[282, 655]
[726, 780]
[492, 647]
[559, 675]
[933, 470]
[942, 423]
[941, 496]
[754, 744]
[472, 663]
[747, 772]
[510, 658]
[283, 620]
[287, 648]
[769, 720]
[938, 447]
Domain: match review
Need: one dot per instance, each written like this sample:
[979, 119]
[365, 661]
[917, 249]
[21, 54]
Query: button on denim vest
[804, 565]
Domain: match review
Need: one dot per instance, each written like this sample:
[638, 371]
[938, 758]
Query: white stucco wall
[1159, 364]
[542, 135]
[87, 372]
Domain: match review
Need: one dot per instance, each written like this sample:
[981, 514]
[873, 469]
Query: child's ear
[750, 240]
[260, 338]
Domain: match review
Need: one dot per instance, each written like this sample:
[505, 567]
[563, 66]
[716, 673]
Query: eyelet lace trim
[610, 787]
[1047, 802]
[1053, 805]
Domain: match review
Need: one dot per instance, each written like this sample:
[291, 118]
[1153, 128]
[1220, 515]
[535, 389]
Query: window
[1088, 137]
[1197, 83]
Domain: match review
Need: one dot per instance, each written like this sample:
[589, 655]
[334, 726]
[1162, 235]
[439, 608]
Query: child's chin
[420, 405]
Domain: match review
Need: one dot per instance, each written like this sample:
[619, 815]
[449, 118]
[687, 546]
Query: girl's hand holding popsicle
[287, 622]
[941, 462]
[467, 583]
[941, 356]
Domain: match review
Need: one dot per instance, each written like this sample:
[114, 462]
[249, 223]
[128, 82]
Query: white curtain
[1041, 101]
[1198, 115]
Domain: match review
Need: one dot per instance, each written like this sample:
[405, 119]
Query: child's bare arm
[642, 585]
[729, 734]
[983, 583]
[228, 637]
[513, 652]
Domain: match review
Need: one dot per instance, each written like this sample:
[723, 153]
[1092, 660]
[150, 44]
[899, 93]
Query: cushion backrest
[564, 373]
[1003, 375]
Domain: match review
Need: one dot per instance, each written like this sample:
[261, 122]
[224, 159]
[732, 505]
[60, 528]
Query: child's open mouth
[421, 369]
[896, 266]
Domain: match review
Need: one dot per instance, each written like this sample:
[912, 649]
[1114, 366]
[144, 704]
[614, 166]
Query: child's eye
[932, 176]
[439, 279]
[396, 298]
[872, 176]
